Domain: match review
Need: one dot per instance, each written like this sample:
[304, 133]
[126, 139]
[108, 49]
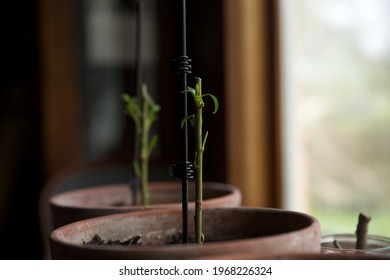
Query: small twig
[143, 110]
[337, 244]
[362, 231]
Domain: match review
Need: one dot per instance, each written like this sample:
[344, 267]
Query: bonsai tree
[196, 121]
[144, 113]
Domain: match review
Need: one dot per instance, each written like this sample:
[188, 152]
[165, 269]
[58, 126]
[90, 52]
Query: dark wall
[20, 156]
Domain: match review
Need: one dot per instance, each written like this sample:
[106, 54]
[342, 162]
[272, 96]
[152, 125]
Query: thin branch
[362, 231]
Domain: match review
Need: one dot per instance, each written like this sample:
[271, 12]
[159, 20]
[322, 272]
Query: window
[109, 42]
[335, 69]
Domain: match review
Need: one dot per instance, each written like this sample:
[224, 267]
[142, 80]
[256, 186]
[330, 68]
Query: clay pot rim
[297, 256]
[57, 200]
[312, 223]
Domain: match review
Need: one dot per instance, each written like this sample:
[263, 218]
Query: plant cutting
[196, 120]
[144, 114]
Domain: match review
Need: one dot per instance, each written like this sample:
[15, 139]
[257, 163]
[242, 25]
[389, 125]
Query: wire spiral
[181, 65]
[181, 170]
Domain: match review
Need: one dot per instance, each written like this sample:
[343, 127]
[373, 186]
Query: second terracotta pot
[98, 201]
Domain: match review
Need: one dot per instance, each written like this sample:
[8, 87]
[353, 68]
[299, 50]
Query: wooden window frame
[252, 136]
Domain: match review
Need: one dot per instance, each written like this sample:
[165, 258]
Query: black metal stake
[134, 180]
[183, 170]
[185, 178]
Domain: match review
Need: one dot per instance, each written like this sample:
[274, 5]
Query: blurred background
[336, 69]
[303, 86]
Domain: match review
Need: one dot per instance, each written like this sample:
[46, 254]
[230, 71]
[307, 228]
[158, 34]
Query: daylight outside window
[335, 73]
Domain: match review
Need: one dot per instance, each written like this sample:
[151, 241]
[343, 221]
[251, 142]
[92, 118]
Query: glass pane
[336, 111]
[109, 65]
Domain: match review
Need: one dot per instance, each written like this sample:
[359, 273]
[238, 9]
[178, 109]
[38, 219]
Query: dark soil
[97, 240]
[135, 241]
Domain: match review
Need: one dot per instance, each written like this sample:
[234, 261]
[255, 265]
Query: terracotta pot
[227, 231]
[76, 205]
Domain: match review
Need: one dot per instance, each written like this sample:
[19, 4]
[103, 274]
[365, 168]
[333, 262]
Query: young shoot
[144, 114]
[195, 121]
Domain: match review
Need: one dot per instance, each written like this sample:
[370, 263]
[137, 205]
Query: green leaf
[125, 97]
[186, 119]
[132, 109]
[205, 139]
[215, 99]
[155, 107]
[190, 90]
[153, 143]
[197, 89]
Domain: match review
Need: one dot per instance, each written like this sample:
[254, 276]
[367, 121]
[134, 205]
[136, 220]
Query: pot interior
[161, 227]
